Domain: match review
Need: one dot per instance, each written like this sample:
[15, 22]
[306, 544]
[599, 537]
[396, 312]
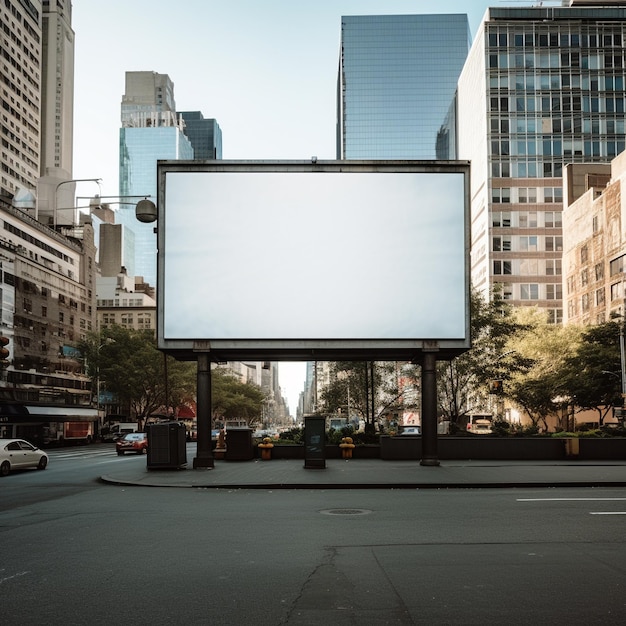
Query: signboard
[299, 260]
[314, 442]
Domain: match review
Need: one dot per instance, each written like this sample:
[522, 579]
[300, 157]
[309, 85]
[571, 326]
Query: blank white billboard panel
[261, 256]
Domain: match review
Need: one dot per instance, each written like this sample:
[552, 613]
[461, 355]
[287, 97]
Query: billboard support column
[429, 409]
[204, 455]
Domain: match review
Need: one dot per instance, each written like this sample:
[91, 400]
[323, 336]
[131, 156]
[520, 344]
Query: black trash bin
[167, 445]
[239, 444]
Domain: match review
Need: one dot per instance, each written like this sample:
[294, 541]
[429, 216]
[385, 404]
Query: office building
[151, 130]
[396, 85]
[48, 293]
[57, 93]
[205, 135]
[37, 88]
[542, 87]
[594, 271]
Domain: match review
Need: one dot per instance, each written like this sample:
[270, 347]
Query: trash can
[239, 444]
[314, 442]
[167, 445]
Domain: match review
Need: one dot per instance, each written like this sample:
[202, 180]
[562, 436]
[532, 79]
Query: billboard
[313, 260]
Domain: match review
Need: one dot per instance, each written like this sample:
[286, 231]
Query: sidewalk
[376, 474]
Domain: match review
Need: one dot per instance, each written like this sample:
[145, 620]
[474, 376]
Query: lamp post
[65, 182]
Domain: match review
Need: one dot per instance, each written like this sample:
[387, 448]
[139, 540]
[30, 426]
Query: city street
[76, 551]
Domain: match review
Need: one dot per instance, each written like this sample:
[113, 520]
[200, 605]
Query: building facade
[57, 93]
[205, 135]
[20, 91]
[122, 302]
[594, 270]
[396, 85]
[151, 130]
[542, 87]
[48, 305]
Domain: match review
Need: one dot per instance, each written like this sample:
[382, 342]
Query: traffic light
[495, 386]
[4, 351]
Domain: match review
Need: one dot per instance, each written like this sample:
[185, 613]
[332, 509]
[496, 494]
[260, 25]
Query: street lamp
[65, 182]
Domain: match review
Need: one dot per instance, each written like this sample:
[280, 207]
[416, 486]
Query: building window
[555, 316]
[553, 267]
[584, 254]
[528, 243]
[502, 267]
[571, 309]
[616, 291]
[584, 302]
[501, 219]
[616, 266]
[529, 291]
[554, 292]
[584, 277]
[501, 244]
[599, 271]
[599, 297]
[554, 244]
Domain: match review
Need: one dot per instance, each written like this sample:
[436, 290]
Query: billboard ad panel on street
[293, 259]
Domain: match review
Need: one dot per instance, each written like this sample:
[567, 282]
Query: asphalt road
[75, 551]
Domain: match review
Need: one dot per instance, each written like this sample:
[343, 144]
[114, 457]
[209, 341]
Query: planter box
[408, 448]
[331, 452]
[477, 447]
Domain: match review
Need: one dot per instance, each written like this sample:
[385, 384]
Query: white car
[411, 430]
[19, 454]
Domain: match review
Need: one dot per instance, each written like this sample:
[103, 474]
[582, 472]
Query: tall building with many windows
[542, 87]
[36, 90]
[205, 135]
[396, 85]
[151, 130]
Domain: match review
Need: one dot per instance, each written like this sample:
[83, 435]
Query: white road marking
[607, 512]
[570, 499]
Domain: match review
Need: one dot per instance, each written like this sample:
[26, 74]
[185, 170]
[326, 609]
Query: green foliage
[334, 435]
[463, 382]
[349, 389]
[500, 428]
[129, 365]
[293, 435]
[590, 375]
[233, 399]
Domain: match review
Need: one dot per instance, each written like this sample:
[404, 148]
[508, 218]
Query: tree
[128, 364]
[540, 390]
[353, 384]
[233, 399]
[590, 375]
[463, 382]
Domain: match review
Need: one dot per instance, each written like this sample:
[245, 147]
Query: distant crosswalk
[82, 452]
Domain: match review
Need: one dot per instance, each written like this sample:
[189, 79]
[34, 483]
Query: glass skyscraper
[205, 135]
[151, 130]
[542, 87]
[396, 86]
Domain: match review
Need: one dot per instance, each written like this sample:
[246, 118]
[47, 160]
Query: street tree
[232, 399]
[128, 364]
[464, 382]
[373, 391]
[540, 391]
[591, 376]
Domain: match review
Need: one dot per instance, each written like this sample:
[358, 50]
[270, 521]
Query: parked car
[411, 430]
[132, 442]
[19, 454]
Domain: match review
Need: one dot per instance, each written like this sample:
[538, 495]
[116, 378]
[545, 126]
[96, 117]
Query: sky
[266, 70]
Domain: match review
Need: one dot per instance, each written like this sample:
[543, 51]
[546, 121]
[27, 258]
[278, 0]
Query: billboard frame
[277, 349]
